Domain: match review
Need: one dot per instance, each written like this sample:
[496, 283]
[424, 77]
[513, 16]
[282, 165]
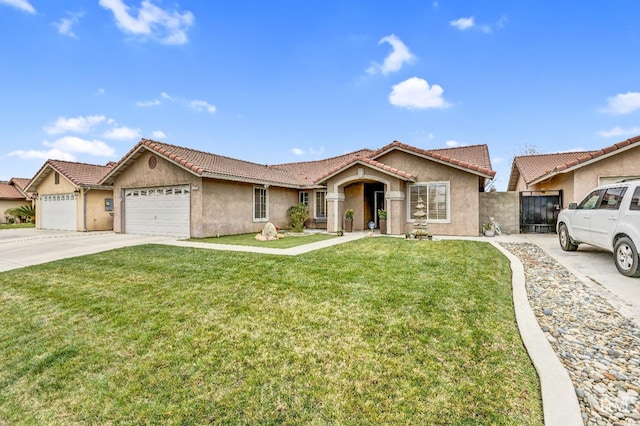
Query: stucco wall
[139, 174]
[503, 207]
[464, 202]
[624, 164]
[228, 207]
[97, 219]
[354, 194]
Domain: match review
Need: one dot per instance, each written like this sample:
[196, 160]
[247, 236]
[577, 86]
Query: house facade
[164, 189]
[13, 195]
[68, 197]
[549, 182]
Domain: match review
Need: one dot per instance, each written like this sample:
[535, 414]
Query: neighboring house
[12, 195]
[69, 197]
[549, 182]
[169, 190]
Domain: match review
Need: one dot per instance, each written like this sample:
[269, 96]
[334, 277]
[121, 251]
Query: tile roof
[474, 158]
[532, 168]
[218, 166]
[10, 192]
[20, 183]
[309, 173]
[80, 174]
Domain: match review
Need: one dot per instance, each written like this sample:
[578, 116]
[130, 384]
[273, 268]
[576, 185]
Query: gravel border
[599, 347]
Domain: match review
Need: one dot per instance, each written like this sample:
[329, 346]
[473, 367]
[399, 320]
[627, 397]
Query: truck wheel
[625, 255]
[565, 239]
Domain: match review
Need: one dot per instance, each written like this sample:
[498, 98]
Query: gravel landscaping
[597, 345]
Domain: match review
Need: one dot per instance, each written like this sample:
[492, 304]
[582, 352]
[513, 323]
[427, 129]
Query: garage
[58, 211]
[158, 211]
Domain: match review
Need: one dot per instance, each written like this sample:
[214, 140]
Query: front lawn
[16, 225]
[376, 331]
[250, 240]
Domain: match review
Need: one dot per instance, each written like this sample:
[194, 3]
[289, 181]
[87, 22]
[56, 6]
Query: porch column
[395, 212]
[335, 202]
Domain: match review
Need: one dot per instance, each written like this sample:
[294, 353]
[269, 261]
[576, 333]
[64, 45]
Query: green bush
[299, 215]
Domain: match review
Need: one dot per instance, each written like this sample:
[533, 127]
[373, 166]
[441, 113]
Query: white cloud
[20, 4]
[75, 144]
[78, 124]
[43, 155]
[146, 104]
[462, 23]
[452, 143]
[65, 24]
[396, 59]
[164, 95]
[202, 106]
[158, 134]
[415, 93]
[168, 27]
[619, 131]
[623, 103]
[122, 133]
[297, 151]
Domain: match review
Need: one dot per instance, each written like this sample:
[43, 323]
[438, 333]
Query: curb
[559, 401]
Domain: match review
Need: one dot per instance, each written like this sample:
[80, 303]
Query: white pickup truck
[609, 218]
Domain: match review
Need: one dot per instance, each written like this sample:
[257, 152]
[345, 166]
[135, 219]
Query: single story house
[69, 197]
[549, 182]
[13, 195]
[163, 189]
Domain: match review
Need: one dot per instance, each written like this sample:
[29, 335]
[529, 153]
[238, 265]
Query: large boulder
[269, 232]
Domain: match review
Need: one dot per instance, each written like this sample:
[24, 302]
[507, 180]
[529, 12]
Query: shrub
[299, 215]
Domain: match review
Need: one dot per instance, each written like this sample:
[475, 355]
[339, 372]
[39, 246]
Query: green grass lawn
[16, 225]
[250, 240]
[376, 331]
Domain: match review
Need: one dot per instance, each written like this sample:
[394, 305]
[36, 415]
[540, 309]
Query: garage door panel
[158, 211]
[58, 211]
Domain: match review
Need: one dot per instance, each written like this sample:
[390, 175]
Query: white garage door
[157, 211]
[58, 212]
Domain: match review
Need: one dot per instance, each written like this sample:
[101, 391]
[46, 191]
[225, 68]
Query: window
[303, 198]
[321, 204]
[612, 198]
[259, 203]
[108, 204]
[635, 201]
[590, 201]
[435, 197]
[56, 178]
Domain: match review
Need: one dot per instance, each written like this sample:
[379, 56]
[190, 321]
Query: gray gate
[539, 211]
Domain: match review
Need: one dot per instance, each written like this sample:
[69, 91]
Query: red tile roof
[533, 168]
[80, 174]
[310, 173]
[474, 158]
[10, 192]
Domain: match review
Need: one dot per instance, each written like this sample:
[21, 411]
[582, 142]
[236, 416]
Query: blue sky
[284, 81]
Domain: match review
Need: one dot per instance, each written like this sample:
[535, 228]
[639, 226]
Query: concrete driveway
[29, 246]
[593, 266]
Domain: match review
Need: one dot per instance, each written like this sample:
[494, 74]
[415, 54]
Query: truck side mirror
[573, 206]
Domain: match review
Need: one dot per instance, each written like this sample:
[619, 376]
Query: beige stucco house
[164, 189]
[13, 195]
[546, 183]
[576, 173]
[68, 196]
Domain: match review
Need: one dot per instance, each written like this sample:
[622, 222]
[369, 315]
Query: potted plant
[348, 220]
[339, 232]
[487, 230]
[382, 220]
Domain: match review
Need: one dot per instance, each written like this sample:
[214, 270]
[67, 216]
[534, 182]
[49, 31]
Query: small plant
[299, 215]
[340, 232]
[486, 227]
[348, 214]
[382, 214]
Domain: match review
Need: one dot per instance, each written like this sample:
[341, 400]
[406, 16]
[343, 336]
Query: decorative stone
[269, 232]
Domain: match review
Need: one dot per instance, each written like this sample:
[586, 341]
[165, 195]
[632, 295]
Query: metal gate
[539, 211]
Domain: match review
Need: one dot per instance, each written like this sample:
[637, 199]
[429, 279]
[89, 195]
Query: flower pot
[383, 226]
[489, 232]
[348, 225]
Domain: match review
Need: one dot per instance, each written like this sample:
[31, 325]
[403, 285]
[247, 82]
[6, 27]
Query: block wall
[503, 207]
